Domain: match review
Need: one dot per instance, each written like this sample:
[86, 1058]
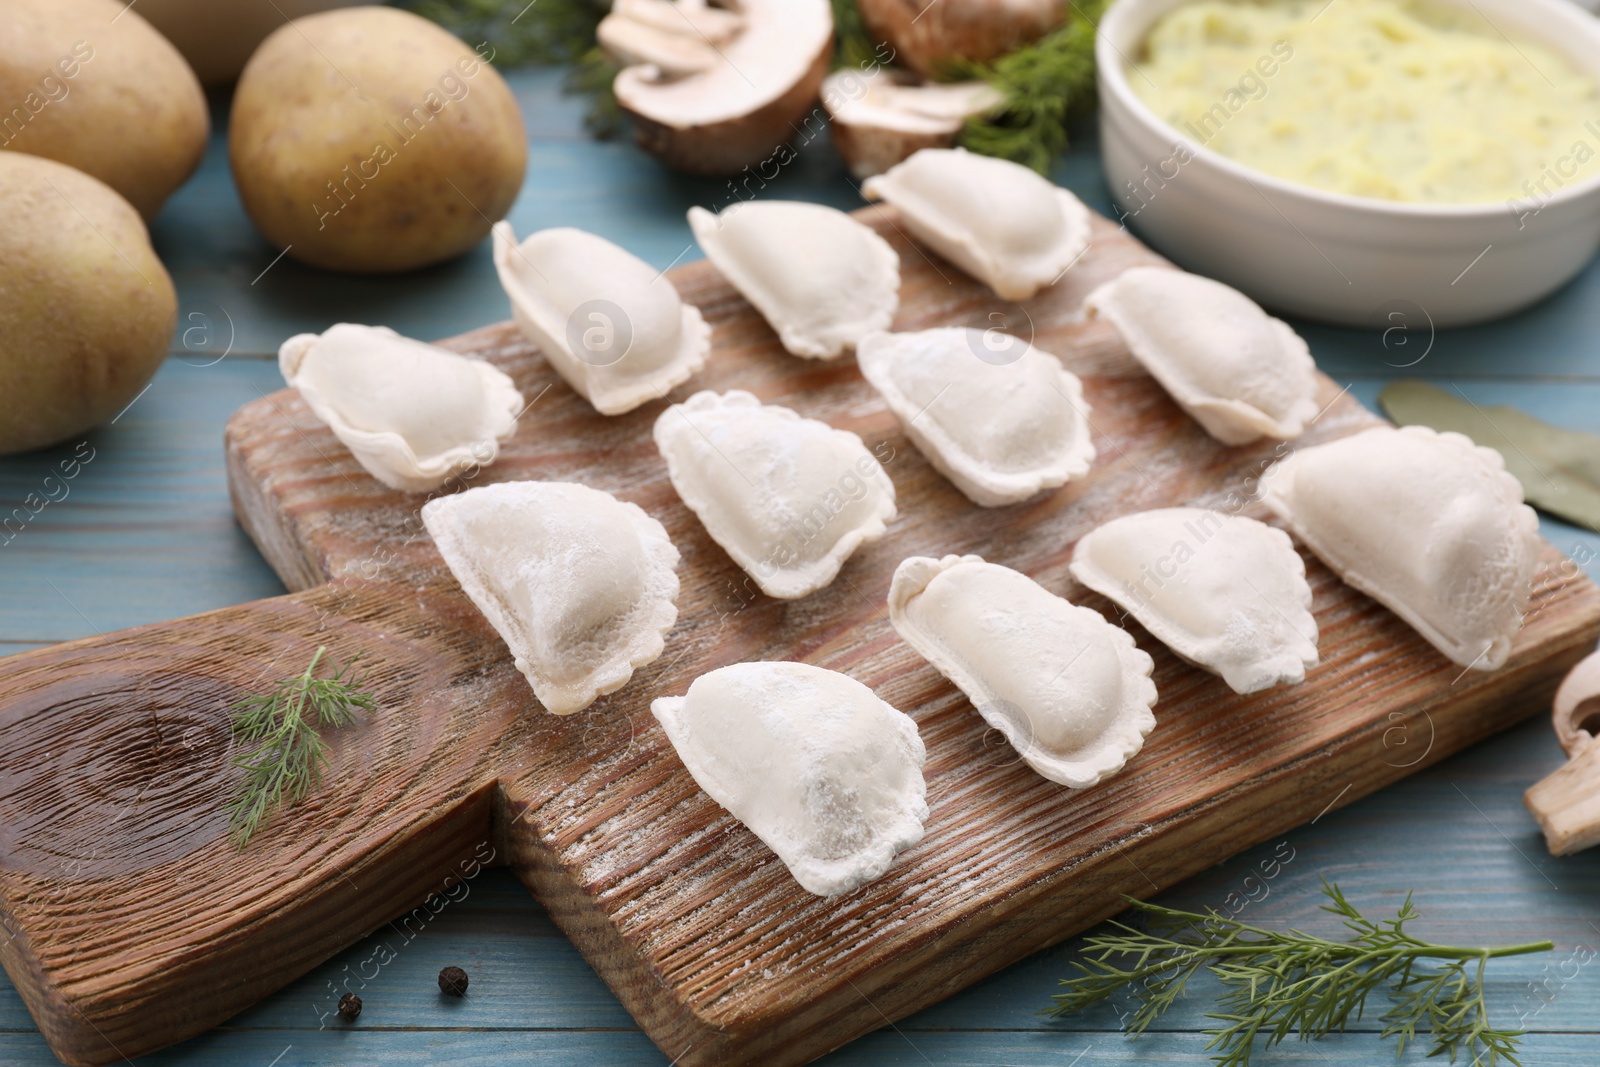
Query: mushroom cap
[716, 109]
[1576, 703]
[928, 35]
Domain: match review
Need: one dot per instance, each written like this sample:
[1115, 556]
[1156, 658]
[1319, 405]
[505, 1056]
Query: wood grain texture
[135, 924]
[129, 920]
[704, 936]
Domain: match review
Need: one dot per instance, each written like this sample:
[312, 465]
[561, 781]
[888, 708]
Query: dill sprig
[592, 75]
[289, 754]
[853, 46]
[1042, 85]
[517, 33]
[1283, 983]
[545, 32]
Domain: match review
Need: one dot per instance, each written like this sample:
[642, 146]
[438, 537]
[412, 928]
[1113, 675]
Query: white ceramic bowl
[1329, 256]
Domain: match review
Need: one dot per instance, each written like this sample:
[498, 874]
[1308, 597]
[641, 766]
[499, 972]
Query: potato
[217, 37]
[86, 309]
[89, 83]
[370, 140]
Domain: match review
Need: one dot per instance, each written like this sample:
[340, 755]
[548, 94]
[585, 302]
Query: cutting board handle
[128, 919]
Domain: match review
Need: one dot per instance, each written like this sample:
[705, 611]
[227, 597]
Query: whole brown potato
[91, 84]
[217, 37]
[369, 139]
[86, 309]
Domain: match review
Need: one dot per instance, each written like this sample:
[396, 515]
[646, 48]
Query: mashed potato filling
[1391, 99]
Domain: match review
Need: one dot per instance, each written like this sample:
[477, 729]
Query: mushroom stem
[1566, 804]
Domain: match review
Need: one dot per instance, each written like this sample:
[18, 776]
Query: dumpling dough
[1226, 593]
[1069, 691]
[608, 322]
[1427, 524]
[578, 584]
[1238, 372]
[789, 498]
[819, 768]
[821, 279]
[998, 417]
[412, 414]
[999, 221]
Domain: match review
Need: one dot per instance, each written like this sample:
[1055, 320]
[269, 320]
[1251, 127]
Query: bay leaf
[1559, 468]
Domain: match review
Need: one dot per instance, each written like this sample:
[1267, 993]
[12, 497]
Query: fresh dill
[853, 46]
[513, 33]
[545, 32]
[1283, 983]
[289, 755]
[592, 75]
[1042, 87]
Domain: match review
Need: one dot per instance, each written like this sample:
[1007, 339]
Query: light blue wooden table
[144, 533]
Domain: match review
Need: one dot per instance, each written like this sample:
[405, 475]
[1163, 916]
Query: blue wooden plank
[885, 1048]
[143, 532]
[132, 524]
[1456, 832]
[1557, 339]
[547, 112]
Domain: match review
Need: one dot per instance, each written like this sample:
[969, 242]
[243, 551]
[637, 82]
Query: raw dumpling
[1069, 690]
[412, 414]
[1226, 593]
[1427, 524]
[1239, 372]
[609, 323]
[998, 417]
[578, 584]
[821, 279]
[788, 498]
[819, 768]
[999, 221]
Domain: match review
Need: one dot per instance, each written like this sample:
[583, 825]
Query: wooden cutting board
[129, 921]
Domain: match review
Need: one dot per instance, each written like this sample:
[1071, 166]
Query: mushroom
[1566, 802]
[712, 90]
[927, 35]
[880, 117]
[1576, 713]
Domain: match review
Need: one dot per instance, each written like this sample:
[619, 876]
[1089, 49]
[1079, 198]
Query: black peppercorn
[453, 982]
[349, 1007]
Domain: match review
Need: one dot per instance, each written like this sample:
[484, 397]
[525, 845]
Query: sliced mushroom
[713, 90]
[880, 117]
[1566, 802]
[715, 25]
[677, 38]
[928, 35]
